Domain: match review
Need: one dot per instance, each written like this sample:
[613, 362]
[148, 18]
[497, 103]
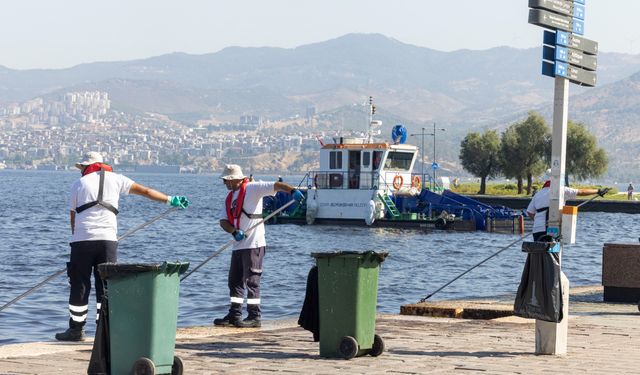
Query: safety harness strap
[543, 209]
[251, 216]
[99, 201]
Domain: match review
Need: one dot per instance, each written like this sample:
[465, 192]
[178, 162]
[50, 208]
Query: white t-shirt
[541, 200]
[97, 222]
[252, 205]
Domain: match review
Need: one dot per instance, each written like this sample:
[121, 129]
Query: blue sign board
[434, 165]
[555, 21]
[565, 39]
[578, 11]
[572, 73]
[571, 56]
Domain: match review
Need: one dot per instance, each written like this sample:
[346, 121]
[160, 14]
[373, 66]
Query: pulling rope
[231, 242]
[58, 273]
[604, 191]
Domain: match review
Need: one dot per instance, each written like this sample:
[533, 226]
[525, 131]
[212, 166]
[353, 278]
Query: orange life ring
[397, 182]
[416, 183]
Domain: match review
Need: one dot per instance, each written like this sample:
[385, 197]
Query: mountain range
[461, 90]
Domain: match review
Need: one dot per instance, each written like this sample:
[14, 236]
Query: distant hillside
[460, 90]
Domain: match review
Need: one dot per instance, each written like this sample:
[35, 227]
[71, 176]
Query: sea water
[34, 223]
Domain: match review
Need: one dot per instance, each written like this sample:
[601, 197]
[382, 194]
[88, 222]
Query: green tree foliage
[510, 156]
[524, 152]
[479, 155]
[584, 158]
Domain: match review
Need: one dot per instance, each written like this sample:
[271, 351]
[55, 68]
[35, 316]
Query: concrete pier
[602, 338]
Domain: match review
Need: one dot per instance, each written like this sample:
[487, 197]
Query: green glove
[178, 201]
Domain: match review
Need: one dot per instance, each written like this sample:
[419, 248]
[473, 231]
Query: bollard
[569, 224]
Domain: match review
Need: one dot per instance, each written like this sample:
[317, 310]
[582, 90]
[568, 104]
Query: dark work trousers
[85, 257]
[244, 273]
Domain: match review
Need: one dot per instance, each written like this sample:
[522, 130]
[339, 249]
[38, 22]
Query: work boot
[250, 322]
[71, 334]
[227, 321]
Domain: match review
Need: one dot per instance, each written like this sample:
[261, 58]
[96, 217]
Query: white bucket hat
[89, 158]
[232, 172]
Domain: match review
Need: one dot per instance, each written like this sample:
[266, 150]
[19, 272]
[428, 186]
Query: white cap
[89, 158]
[232, 172]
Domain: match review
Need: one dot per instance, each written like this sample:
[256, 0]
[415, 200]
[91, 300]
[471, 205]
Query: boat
[362, 181]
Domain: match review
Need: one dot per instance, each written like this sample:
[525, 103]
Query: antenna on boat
[372, 123]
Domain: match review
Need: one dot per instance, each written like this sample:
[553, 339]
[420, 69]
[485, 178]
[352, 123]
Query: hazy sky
[56, 34]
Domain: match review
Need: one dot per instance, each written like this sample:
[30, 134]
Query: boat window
[377, 157]
[335, 160]
[398, 161]
[366, 159]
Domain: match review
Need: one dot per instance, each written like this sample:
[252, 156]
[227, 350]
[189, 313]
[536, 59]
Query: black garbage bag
[310, 315]
[539, 294]
[100, 362]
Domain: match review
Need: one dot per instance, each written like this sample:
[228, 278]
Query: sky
[64, 33]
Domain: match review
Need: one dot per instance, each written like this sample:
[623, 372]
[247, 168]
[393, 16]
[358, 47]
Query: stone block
[621, 272]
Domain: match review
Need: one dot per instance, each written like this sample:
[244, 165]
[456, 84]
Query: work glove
[603, 191]
[238, 235]
[178, 201]
[297, 195]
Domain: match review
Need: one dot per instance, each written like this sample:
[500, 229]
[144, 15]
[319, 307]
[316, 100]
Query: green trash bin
[142, 303]
[347, 298]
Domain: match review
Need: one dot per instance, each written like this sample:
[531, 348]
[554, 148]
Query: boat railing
[343, 180]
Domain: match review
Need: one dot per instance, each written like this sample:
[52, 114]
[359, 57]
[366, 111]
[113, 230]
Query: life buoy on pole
[416, 183]
[397, 182]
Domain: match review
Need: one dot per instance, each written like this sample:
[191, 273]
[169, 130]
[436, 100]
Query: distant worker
[251, 179]
[630, 191]
[538, 208]
[93, 209]
[243, 209]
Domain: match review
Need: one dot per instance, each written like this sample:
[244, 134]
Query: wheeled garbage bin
[143, 313]
[347, 298]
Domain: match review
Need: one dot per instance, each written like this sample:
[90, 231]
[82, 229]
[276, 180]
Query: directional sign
[566, 39]
[571, 56]
[574, 74]
[555, 21]
[563, 7]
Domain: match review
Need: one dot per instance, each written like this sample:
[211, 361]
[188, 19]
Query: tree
[584, 158]
[531, 138]
[479, 155]
[510, 156]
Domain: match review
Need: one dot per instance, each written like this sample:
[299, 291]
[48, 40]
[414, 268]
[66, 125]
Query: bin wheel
[378, 346]
[178, 367]
[144, 366]
[348, 347]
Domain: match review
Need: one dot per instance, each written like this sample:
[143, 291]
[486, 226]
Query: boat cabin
[353, 164]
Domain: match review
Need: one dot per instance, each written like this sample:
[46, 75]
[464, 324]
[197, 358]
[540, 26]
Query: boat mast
[372, 111]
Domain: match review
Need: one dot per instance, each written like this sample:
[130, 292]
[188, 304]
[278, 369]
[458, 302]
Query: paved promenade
[603, 339]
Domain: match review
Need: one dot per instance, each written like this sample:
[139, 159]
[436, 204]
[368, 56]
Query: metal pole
[422, 157]
[551, 338]
[434, 155]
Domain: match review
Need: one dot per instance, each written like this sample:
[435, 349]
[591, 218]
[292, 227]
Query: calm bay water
[34, 227]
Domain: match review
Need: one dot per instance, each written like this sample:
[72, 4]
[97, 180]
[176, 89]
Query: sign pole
[551, 338]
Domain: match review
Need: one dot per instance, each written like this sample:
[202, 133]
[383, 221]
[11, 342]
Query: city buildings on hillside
[52, 133]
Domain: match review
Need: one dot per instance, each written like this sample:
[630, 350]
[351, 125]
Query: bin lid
[112, 270]
[380, 255]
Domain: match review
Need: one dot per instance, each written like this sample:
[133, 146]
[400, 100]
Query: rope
[58, 273]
